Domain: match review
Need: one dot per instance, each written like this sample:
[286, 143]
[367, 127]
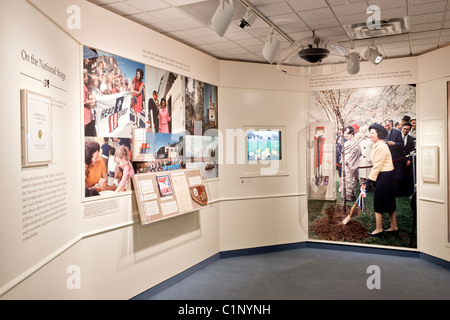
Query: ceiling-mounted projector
[312, 56]
[313, 53]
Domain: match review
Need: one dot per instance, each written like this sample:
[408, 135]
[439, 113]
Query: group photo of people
[375, 165]
[121, 96]
[114, 88]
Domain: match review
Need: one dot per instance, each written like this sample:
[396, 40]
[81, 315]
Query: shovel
[358, 201]
[319, 179]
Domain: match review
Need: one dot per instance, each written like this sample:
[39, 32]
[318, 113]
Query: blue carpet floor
[312, 274]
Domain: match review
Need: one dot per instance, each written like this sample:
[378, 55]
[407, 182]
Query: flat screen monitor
[264, 145]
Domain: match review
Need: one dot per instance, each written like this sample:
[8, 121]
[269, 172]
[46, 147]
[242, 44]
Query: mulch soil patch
[331, 227]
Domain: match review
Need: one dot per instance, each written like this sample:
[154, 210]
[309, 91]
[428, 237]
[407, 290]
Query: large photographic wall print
[348, 132]
[140, 119]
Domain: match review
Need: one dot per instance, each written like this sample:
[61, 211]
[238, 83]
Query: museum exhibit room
[225, 150]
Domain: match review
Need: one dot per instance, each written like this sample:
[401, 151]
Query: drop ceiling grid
[430, 24]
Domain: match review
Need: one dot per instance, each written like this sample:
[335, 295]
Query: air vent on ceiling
[389, 27]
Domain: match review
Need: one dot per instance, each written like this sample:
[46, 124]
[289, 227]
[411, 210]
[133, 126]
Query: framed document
[430, 164]
[36, 129]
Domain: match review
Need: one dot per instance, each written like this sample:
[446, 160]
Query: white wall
[118, 258]
[433, 214]
[23, 49]
[262, 211]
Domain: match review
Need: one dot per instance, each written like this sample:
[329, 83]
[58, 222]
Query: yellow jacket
[381, 159]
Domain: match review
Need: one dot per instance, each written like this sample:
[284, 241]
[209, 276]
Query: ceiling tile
[398, 39]
[260, 33]
[121, 8]
[225, 45]
[394, 13]
[283, 19]
[301, 5]
[207, 48]
[444, 41]
[299, 35]
[426, 27]
[180, 35]
[294, 27]
[214, 39]
[395, 45]
[186, 23]
[350, 9]
[426, 41]
[238, 35]
[426, 35]
[397, 52]
[427, 18]
[250, 42]
[273, 9]
[316, 14]
[235, 51]
[256, 3]
[201, 32]
[388, 4]
[169, 14]
[323, 23]
[417, 2]
[353, 19]
[430, 7]
[328, 32]
[143, 18]
[145, 5]
[102, 2]
[178, 2]
[420, 49]
[341, 2]
[163, 27]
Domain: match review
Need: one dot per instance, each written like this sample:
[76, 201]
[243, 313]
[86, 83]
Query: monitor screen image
[264, 145]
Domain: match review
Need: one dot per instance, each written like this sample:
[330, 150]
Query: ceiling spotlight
[248, 19]
[352, 60]
[271, 46]
[373, 55]
[223, 17]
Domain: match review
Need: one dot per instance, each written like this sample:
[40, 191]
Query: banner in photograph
[112, 114]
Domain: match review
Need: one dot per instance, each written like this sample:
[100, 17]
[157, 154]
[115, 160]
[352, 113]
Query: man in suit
[153, 111]
[395, 142]
[409, 146]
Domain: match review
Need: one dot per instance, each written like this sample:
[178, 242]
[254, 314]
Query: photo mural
[361, 157]
[141, 119]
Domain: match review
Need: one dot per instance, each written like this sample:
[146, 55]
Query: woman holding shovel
[383, 174]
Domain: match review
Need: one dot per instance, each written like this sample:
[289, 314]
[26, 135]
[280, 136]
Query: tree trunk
[344, 186]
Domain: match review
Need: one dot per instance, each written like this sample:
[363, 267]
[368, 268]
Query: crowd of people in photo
[160, 166]
[102, 76]
[384, 161]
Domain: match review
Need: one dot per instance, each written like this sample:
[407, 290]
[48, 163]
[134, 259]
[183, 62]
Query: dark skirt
[384, 198]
